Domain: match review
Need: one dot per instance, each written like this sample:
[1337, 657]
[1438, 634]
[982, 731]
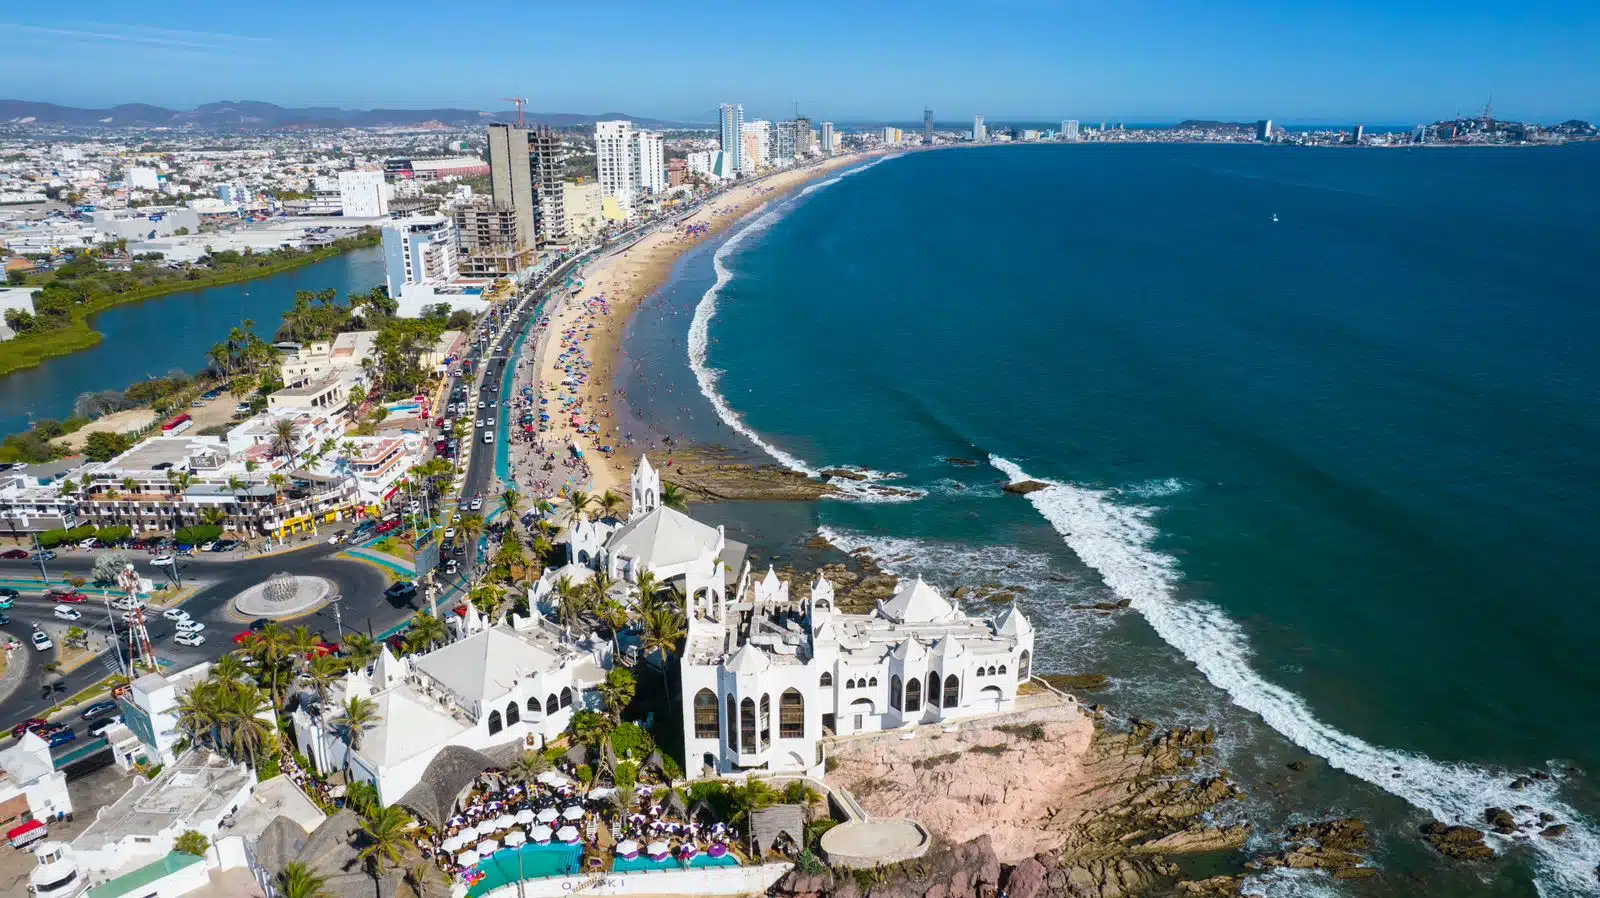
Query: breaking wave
[1116, 541]
[864, 490]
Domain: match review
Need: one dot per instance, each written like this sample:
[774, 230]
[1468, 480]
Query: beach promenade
[574, 359]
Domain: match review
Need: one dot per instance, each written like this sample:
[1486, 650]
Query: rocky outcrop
[962, 462]
[1077, 682]
[1024, 487]
[842, 474]
[1101, 606]
[1215, 887]
[1332, 846]
[1462, 843]
[713, 474]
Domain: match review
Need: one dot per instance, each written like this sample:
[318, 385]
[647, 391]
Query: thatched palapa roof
[448, 776]
[767, 824]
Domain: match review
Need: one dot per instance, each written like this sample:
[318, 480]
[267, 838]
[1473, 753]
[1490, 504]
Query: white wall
[705, 882]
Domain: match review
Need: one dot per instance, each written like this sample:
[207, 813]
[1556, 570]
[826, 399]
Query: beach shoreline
[596, 318]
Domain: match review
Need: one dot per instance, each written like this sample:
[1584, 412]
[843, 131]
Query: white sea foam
[1115, 540]
[708, 377]
[1156, 489]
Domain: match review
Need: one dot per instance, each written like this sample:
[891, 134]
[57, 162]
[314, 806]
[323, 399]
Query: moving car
[5, 602]
[57, 735]
[71, 598]
[405, 589]
[478, 503]
[41, 642]
[386, 527]
[162, 560]
[98, 709]
[65, 613]
[450, 533]
[488, 436]
[188, 637]
[14, 553]
[190, 626]
[9, 593]
[46, 554]
[177, 614]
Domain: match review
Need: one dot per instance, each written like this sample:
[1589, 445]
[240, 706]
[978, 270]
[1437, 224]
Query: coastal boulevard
[363, 609]
[172, 332]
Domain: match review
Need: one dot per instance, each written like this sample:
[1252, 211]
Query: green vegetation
[401, 342]
[74, 292]
[192, 842]
[195, 534]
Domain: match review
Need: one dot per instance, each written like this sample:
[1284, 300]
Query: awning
[18, 832]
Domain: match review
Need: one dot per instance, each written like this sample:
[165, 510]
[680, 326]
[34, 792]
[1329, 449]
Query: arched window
[913, 695]
[513, 714]
[494, 722]
[873, 681]
[791, 715]
[733, 717]
[850, 683]
[766, 721]
[534, 708]
[1023, 666]
[991, 670]
[826, 679]
[894, 692]
[566, 696]
[933, 689]
[551, 706]
[1002, 669]
[747, 726]
[952, 691]
[706, 725]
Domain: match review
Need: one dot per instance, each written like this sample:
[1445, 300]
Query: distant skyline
[1139, 61]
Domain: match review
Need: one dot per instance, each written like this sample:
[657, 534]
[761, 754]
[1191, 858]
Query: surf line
[707, 377]
[1115, 540]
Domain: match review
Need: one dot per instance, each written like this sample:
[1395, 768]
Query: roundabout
[284, 595]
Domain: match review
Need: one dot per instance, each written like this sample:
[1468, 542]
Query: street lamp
[338, 619]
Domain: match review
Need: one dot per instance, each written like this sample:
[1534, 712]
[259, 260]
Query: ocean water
[1344, 464]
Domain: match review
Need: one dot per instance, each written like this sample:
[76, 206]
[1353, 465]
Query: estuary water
[1328, 420]
[172, 333]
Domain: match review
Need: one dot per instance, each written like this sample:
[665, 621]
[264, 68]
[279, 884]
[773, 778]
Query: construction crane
[519, 101]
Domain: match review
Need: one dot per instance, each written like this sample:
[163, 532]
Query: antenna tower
[138, 637]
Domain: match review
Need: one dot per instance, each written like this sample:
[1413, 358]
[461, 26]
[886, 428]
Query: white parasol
[488, 847]
[548, 815]
[573, 813]
[453, 844]
[525, 816]
[468, 833]
[467, 858]
[515, 838]
[567, 834]
[504, 821]
[552, 778]
[540, 833]
[628, 847]
[657, 849]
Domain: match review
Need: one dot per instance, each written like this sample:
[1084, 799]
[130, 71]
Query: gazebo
[767, 825]
[445, 780]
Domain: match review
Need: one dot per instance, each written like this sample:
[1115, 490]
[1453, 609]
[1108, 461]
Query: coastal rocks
[843, 474]
[1297, 766]
[962, 462]
[1500, 820]
[1332, 846]
[1462, 843]
[1024, 487]
[1553, 832]
[713, 474]
[1077, 682]
[1215, 887]
[1101, 606]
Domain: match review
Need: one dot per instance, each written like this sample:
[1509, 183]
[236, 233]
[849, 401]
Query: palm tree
[199, 713]
[663, 630]
[579, 500]
[322, 673]
[297, 881]
[129, 485]
[360, 650]
[248, 732]
[230, 668]
[648, 585]
[617, 691]
[674, 498]
[426, 632]
[609, 503]
[511, 501]
[614, 615]
[485, 597]
[355, 717]
[386, 839]
[277, 481]
[571, 597]
[284, 436]
[270, 646]
[527, 768]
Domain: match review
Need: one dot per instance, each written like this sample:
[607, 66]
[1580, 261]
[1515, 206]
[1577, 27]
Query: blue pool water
[644, 864]
[528, 862]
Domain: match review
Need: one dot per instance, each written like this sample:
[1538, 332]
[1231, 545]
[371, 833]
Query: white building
[145, 223]
[505, 687]
[420, 264]
[199, 791]
[616, 146]
[753, 154]
[1069, 130]
[979, 132]
[142, 178]
[704, 162]
[731, 133]
[32, 788]
[651, 159]
[363, 194]
[827, 138]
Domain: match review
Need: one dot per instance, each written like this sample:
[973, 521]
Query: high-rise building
[731, 120]
[616, 146]
[486, 235]
[979, 133]
[650, 159]
[804, 137]
[549, 190]
[827, 138]
[785, 142]
[927, 124]
[1264, 130]
[511, 178]
[363, 194]
[753, 152]
[1069, 130]
[892, 136]
[419, 250]
[1419, 134]
[1359, 134]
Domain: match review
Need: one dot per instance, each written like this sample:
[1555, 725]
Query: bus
[177, 425]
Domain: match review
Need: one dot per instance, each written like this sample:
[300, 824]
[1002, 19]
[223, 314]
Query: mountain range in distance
[252, 115]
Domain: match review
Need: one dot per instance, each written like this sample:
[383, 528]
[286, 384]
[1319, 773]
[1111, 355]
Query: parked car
[386, 527]
[90, 543]
[41, 642]
[127, 603]
[162, 560]
[46, 554]
[14, 553]
[339, 539]
[189, 638]
[99, 727]
[9, 593]
[32, 723]
[190, 626]
[58, 735]
[5, 603]
[65, 613]
[98, 709]
[225, 545]
[208, 546]
[4, 618]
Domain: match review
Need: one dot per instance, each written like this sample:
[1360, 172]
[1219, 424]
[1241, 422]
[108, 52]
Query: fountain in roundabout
[284, 595]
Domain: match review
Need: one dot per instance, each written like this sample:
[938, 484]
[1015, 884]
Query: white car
[414, 508]
[455, 518]
[477, 503]
[127, 603]
[208, 546]
[177, 614]
[162, 560]
[66, 612]
[41, 642]
[190, 626]
[482, 404]
[450, 533]
[488, 436]
[189, 637]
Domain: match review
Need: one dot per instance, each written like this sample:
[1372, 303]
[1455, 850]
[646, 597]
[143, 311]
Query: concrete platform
[863, 844]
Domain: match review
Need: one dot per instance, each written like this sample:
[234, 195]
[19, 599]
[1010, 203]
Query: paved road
[364, 608]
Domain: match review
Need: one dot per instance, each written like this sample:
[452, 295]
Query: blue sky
[1400, 61]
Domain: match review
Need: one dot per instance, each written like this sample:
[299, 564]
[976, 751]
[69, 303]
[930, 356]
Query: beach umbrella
[658, 850]
[504, 821]
[525, 815]
[488, 847]
[567, 834]
[540, 833]
[468, 833]
[552, 778]
[573, 813]
[629, 848]
[467, 858]
[453, 844]
[515, 838]
[548, 815]
[601, 792]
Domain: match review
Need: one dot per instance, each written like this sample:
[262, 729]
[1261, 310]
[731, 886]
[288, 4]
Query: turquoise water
[1344, 465]
[530, 862]
[172, 333]
[645, 864]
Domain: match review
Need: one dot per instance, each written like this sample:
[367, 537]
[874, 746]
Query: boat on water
[1274, 216]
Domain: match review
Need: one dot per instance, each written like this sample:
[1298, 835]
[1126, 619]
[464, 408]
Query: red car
[386, 527]
[71, 598]
[32, 723]
[14, 553]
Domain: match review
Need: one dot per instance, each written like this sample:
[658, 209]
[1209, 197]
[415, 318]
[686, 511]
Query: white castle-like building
[765, 677]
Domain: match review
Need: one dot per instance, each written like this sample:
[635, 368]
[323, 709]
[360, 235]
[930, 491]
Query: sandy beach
[587, 333]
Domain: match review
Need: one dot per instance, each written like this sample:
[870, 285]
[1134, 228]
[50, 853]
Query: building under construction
[525, 176]
[491, 240]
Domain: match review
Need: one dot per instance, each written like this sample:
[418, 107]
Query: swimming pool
[642, 863]
[528, 862]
